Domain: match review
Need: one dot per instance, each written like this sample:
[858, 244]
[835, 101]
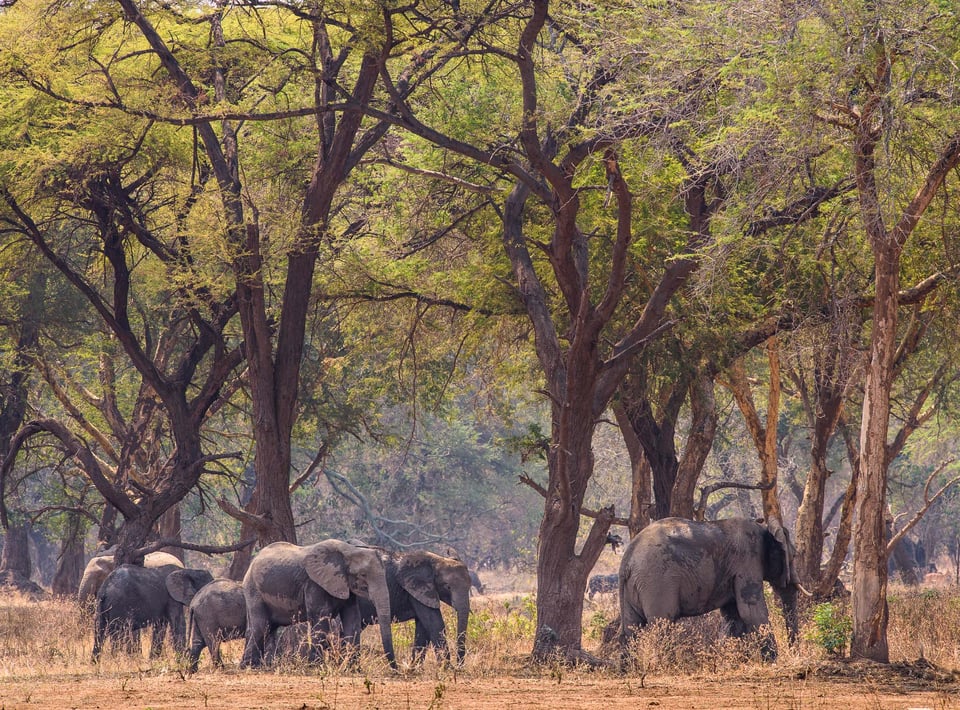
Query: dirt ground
[849, 686]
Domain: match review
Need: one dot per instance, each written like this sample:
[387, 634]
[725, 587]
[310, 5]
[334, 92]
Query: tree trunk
[15, 559]
[870, 613]
[764, 435]
[640, 486]
[703, 427]
[169, 528]
[70, 563]
[810, 520]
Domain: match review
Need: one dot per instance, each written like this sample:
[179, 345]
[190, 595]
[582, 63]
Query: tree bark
[640, 480]
[15, 559]
[70, 563]
[869, 595]
[703, 428]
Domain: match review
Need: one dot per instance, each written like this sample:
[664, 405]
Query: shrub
[831, 628]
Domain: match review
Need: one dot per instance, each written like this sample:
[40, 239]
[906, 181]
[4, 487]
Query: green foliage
[831, 628]
[598, 622]
[514, 621]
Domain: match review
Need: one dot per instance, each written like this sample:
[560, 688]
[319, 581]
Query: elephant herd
[673, 568]
[332, 588]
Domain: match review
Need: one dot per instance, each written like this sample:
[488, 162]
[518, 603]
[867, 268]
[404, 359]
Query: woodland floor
[828, 685]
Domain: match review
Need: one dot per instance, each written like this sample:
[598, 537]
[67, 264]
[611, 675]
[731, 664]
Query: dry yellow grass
[45, 649]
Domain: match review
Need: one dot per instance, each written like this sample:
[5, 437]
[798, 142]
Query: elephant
[133, 597]
[677, 568]
[602, 583]
[418, 582]
[103, 564]
[287, 583]
[475, 582]
[217, 613]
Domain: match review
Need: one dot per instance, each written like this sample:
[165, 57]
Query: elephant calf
[217, 613]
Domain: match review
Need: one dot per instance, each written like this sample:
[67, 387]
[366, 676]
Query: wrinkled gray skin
[133, 597]
[418, 582]
[676, 568]
[103, 564]
[217, 613]
[286, 584]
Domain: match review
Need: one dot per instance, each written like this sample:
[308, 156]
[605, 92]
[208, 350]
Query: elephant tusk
[800, 587]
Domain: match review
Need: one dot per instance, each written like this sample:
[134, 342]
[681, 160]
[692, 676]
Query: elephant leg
[631, 619]
[735, 625]
[429, 629]
[124, 635]
[197, 644]
[753, 613]
[317, 639]
[156, 640]
[215, 658]
[258, 629]
[420, 641]
[99, 633]
[351, 623]
[178, 629]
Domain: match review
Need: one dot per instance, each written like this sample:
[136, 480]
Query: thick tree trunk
[15, 559]
[70, 563]
[169, 528]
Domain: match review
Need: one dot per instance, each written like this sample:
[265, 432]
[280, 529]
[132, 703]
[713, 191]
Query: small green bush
[831, 628]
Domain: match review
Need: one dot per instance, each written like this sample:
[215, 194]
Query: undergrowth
[54, 637]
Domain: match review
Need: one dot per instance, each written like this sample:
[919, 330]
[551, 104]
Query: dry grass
[45, 646]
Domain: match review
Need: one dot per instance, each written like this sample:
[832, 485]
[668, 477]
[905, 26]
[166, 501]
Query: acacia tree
[593, 303]
[92, 194]
[887, 91]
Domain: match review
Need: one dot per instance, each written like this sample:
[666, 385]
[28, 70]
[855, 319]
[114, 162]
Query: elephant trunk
[460, 601]
[380, 596]
[788, 602]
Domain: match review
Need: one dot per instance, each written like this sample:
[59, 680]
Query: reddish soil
[847, 686]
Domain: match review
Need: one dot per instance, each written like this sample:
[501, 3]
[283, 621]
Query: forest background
[503, 278]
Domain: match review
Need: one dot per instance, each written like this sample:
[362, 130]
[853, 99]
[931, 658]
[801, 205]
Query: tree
[580, 277]
[869, 121]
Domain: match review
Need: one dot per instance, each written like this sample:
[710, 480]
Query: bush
[831, 629]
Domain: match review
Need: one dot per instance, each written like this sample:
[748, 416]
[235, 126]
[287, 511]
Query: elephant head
[430, 579]
[342, 569]
[779, 571]
[184, 584]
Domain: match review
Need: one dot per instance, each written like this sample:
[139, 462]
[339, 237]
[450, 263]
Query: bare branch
[706, 491]
[585, 512]
[928, 501]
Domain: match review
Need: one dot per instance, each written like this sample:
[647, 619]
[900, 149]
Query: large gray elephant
[217, 613]
[676, 568]
[133, 597]
[287, 583]
[418, 582]
[103, 564]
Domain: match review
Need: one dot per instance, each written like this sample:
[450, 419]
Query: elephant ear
[778, 556]
[184, 584]
[325, 565]
[417, 574]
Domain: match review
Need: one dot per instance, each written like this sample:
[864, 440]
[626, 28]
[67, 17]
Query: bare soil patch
[852, 686]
